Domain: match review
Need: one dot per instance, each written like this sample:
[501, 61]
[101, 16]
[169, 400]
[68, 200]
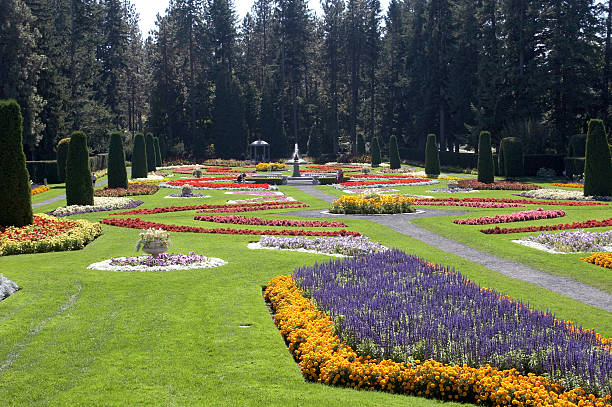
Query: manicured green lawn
[73, 336]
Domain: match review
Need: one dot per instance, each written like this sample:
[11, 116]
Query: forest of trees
[207, 84]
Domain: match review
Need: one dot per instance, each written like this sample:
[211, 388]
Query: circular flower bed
[7, 287]
[100, 204]
[163, 262]
[132, 189]
[372, 204]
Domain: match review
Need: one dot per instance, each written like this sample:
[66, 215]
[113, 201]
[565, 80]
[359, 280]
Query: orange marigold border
[600, 259]
[324, 358]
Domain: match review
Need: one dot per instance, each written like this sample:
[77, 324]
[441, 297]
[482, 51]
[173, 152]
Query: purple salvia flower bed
[393, 305]
[98, 209]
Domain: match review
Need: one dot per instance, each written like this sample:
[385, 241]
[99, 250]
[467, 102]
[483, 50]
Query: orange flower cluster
[560, 184]
[600, 259]
[324, 358]
[39, 190]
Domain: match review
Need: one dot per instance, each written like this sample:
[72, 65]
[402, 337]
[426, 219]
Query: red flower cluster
[137, 223]
[384, 182]
[132, 189]
[41, 228]
[458, 202]
[512, 217]
[510, 202]
[215, 208]
[501, 185]
[217, 185]
[389, 176]
[242, 220]
[204, 179]
[591, 223]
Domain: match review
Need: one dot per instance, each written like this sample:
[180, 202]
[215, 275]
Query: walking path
[401, 223]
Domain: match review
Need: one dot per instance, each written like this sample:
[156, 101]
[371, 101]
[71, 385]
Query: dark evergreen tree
[486, 169]
[150, 151]
[360, 144]
[16, 198]
[158, 159]
[375, 153]
[394, 156]
[62, 155]
[432, 157]
[577, 145]
[597, 162]
[512, 153]
[79, 185]
[117, 173]
[270, 121]
[139, 157]
[314, 145]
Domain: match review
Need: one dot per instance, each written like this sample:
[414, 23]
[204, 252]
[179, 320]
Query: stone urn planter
[155, 248]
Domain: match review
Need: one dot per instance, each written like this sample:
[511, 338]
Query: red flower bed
[592, 223]
[483, 204]
[500, 185]
[512, 217]
[214, 208]
[243, 220]
[133, 189]
[389, 176]
[208, 170]
[384, 182]
[510, 202]
[42, 227]
[137, 223]
[204, 179]
[218, 185]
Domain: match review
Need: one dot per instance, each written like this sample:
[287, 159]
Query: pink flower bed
[485, 201]
[384, 182]
[591, 223]
[261, 193]
[500, 185]
[243, 220]
[512, 217]
[487, 205]
[381, 176]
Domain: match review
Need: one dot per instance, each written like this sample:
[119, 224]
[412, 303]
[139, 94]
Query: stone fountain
[296, 160]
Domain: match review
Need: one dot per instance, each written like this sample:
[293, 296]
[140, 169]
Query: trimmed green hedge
[511, 157]
[597, 164]
[79, 187]
[394, 156]
[139, 157]
[150, 151]
[117, 173]
[432, 156]
[375, 153]
[62, 153]
[39, 170]
[16, 196]
[486, 169]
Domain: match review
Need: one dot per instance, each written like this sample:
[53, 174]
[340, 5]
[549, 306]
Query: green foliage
[486, 169]
[117, 173]
[62, 153]
[79, 188]
[158, 159]
[314, 144]
[150, 151]
[375, 152]
[501, 166]
[139, 157]
[598, 164]
[39, 170]
[394, 157]
[360, 144]
[574, 166]
[577, 146]
[511, 157]
[432, 156]
[16, 198]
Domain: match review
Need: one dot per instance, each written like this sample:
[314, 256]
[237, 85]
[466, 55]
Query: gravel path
[401, 223]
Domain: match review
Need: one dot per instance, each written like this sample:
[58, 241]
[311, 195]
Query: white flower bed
[535, 245]
[150, 177]
[100, 203]
[106, 265]
[7, 287]
[414, 184]
[177, 196]
[560, 194]
[258, 246]
[272, 187]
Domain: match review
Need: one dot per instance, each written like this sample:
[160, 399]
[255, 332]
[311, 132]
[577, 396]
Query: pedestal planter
[155, 248]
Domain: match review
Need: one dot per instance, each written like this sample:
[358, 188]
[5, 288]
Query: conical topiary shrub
[360, 144]
[394, 157]
[375, 152]
[150, 150]
[432, 157]
[501, 166]
[486, 169]
[62, 154]
[16, 196]
[597, 164]
[79, 186]
[139, 157]
[117, 173]
[158, 160]
[511, 157]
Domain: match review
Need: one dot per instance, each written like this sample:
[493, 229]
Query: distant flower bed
[592, 223]
[7, 287]
[369, 191]
[218, 162]
[214, 185]
[560, 184]
[192, 195]
[573, 242]
[512, 217]
[210, 170]
[546, 193]
[132, 189]
[372, 204]
[137, 223]
[390, 305]
[260, 193]
[257, 221]
[381, 176]
[271, 167]
[150, 179]
[497, 202]
[600, 259]
[397, 182]
[39, 189]
[47, 234]
[100, 204]
[453, 190]
[281, 198]
[345, 245]
[216, 207]
[163, 262]
[500, 185]
[203, 179]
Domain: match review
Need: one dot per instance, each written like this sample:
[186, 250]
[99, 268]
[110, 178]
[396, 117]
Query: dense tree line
[207, 84]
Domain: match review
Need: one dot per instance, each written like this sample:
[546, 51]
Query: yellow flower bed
[600, 259]
[372, 204]
[324, 358]
[450, 178]
[560, 184]
[40, 190]
[271, 167]
[149, 181]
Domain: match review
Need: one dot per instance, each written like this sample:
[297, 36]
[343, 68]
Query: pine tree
[117, 173]
[597, 163]
[150, 152]
[79, 185]
[486, 168]
[360, 144]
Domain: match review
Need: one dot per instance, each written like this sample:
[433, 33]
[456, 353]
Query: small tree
[16, 196]
[79, 186]
[394, 157]
[139, 157]
[375, 152]
[597, 164]
[432, 157]
[117, 173]
[62, 153]
[158, 160]
[486, 169]
[150, 151]
[360, 144]
[512, 156]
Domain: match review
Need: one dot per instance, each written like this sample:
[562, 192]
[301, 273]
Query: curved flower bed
[260, 193]
[592, 223]
[216, 208]
[163, 262]
[512, 217]
[345, 245]
[204, 179]
[381, 176]
[600, 259]
[520, 202]
[257, 221]
[100, 204]
[500, 185]
[547, 193]
[211, 170]
[453, 190]
[369, 191]
[39, 189]
[192, 195]
[214, 185]
[7, 287]
[471, 204]
[561, 184]
[372, 204]
[137, 223]
[48, 234]
[152, 179]
[324, 358]
[260, 199]
[573, 242]
[132, 189]
[397, 182]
